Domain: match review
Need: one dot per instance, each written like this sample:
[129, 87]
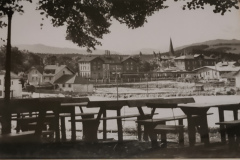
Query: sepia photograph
[119, 79]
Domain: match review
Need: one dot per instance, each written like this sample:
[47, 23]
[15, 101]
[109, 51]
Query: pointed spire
[171, 51]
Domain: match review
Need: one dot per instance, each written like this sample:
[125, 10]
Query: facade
[53, 72]
[91, 67]
[130, 65]
[74, 83]
[112, 66]
[16, 87]
[35, 75]
[191, 62]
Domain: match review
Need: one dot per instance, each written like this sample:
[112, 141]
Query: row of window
[65, 85]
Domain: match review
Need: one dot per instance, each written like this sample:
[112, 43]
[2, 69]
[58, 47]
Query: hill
[40, 48]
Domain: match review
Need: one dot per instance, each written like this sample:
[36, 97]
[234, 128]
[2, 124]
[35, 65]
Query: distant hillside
[40, 48]
[219, 45]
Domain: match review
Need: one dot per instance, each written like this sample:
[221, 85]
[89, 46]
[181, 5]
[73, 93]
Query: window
[63, 85]
[32, 78]
[12, 82]
[63, 72]
[0, 82]
[69, 85]
[0, 93]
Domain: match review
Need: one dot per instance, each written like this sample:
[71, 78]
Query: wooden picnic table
[42, 106]
[201, 109]
[109, 105]
[117, 105]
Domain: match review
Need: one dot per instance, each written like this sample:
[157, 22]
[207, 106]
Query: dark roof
[88, 58]
[129, 57]
[80, 80]
[63, 79]
[113, 59]
[13, 75]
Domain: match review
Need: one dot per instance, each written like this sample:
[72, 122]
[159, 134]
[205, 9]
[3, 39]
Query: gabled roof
[193, 57]
[126, 58]
[113, 59]
[64, 79]
[71, 79]
[57, 68]
[13, 75]
[88, 58]
[220, 68]
[39, 68]
[80, 80]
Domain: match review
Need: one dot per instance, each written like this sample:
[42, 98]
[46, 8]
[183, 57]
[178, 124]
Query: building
[35, 75]
[112, 66]
[16, 87]
[130, 65]
[74, 83]
[53, 72]
[192, 62]
[215, 72]
[91, 67]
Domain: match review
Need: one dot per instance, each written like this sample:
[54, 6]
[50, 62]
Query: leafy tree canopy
[88, 20]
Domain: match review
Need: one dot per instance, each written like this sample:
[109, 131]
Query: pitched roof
[88, 58]
[221, 68]
[13, 75]
[80, 80]
[64, 79]
[57, 68]
[39, 68]
[193, 57]
[125, 58]
[113, 59]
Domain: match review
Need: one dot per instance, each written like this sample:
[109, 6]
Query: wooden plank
[233, 122]
[141, 102]
[120, 117]
[77, 114]
[107, 104]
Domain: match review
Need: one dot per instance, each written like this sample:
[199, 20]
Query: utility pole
[117, 81]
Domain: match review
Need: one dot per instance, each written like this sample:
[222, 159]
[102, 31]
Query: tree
[88, 20]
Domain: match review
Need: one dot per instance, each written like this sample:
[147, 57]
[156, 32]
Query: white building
[215, 72]
[16, 87]
[73, 83]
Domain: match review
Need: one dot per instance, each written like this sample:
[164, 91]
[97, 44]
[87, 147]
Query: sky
[183, 27]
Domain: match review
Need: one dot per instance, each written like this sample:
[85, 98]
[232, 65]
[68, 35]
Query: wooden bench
[232, 128]
[164, 129]
[25, 137]
[151, 124]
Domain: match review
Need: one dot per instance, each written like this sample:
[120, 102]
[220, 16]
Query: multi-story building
[191, 62]
[91, 67]
[130, 65]
[16, 87]
[35, 75]
[112, 66]
[53, 72]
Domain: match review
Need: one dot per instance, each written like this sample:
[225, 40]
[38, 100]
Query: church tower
[171, 51]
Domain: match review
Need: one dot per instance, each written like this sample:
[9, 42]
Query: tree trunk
[6, 117]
